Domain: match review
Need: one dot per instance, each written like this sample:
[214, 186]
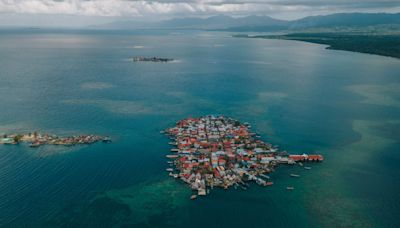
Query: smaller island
[36, 139]
[151, 59]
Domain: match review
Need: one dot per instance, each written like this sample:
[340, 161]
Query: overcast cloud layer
[284, 9]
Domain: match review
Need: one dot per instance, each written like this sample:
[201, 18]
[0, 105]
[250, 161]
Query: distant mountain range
[224, 22]
[262, 23]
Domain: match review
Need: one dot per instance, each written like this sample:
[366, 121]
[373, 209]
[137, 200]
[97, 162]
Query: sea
[296, 95]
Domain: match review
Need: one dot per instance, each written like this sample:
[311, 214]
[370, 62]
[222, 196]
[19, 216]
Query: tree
[17, 138]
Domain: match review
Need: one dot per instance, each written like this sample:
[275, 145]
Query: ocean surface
[297, 95]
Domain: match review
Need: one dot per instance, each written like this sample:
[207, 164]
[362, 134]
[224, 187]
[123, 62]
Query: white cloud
[137, 8]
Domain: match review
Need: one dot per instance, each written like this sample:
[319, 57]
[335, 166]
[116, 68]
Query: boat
[106, 139]
[171, 156]
[35, 144]
[307, 167]
[269, 183]
[201, 192]
[290, 188]
[162, 132]
[294, 175]
[193, 197]
[170, 169]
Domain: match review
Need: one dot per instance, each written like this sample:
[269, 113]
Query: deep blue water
[299, 96]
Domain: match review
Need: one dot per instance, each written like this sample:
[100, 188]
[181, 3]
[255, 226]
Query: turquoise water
[300, 96]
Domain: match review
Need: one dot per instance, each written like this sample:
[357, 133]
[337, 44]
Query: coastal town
[36, 139]
[217, 151]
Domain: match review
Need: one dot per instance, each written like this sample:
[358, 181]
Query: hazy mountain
[262, 23]
[214, 22]
[222, 22]
[346, 19]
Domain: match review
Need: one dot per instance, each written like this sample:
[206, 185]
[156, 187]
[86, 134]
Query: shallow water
[300, 96]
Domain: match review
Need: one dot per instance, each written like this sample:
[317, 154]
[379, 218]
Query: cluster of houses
[36, 139]
[216, 151]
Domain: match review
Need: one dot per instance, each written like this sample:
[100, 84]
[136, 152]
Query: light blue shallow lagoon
[297, 95]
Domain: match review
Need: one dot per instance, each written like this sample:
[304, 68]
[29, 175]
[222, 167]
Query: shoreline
[340, 42]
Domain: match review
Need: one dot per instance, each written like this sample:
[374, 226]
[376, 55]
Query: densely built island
[217, 151]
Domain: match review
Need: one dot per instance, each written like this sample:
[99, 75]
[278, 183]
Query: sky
[87, 12]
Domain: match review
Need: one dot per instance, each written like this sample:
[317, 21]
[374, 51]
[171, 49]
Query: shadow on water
[155, 204]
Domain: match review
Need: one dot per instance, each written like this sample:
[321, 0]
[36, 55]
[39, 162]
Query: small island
[36, 139]
[217, 151]
[151, 59]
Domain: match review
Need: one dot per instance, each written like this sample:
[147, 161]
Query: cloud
[139, 8]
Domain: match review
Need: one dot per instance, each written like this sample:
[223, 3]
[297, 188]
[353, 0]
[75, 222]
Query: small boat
[34, 144]
[301, 164]
[106, 139]
[193, 197]
[290, 188]
[170, 169]
[162, 132]
[269, 183]
[307, 167]
[172, 156]
[294, 175]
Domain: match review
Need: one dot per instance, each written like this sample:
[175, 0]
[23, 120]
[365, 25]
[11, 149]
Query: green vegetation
[386, 44]
[17, 138]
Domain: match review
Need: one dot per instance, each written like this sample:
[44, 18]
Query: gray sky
[84, 12]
